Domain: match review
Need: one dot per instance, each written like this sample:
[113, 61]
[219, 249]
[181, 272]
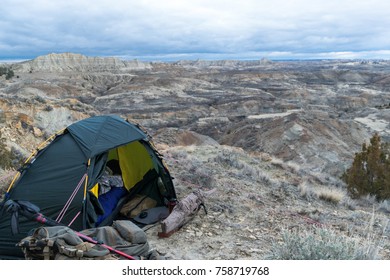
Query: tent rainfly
[64, 177]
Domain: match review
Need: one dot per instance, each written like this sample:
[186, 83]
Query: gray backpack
[60, 242]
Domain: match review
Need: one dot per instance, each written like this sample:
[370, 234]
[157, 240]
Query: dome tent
[62, 176]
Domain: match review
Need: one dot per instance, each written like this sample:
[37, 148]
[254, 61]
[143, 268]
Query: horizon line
[275, 56]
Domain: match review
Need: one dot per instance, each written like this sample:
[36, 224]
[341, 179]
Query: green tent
[62, 177]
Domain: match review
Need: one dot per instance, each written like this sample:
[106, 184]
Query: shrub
[370, 171]
[307, 191]
[6, 156]
[8, 72]
[321, 244]
[326, 193]
[331, 195]
[384, 206]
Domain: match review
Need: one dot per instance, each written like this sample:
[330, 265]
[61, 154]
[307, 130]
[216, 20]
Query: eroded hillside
[272, 138]
[316, 114]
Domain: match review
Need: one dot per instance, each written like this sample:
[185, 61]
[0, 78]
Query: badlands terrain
[271, 139]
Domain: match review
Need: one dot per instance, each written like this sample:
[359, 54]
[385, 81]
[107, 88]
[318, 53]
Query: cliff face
[68, 62]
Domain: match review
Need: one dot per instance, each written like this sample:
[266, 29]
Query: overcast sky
[196, 29]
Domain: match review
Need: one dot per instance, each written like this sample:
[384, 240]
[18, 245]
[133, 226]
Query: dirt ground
[248, 212]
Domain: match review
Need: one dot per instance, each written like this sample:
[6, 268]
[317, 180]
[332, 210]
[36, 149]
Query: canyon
[271, 137]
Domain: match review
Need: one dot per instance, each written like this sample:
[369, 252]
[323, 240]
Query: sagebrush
[321, 244]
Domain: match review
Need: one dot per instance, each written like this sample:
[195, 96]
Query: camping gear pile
[80, 178]
[122, 240]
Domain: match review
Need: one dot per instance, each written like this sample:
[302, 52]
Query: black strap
[25, 208]
[13, 208]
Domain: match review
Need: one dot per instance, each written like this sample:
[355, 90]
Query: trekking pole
[31, 211]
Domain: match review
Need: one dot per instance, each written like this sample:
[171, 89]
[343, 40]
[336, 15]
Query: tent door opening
[130, 171]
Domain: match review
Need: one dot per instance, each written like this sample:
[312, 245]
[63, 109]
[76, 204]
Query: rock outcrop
[70, 62]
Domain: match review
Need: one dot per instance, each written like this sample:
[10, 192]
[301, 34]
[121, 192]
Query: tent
[62, 177]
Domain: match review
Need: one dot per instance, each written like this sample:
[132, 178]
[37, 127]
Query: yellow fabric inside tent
[134, 161]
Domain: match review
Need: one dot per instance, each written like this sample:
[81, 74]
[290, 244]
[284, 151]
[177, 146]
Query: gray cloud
[174, 29]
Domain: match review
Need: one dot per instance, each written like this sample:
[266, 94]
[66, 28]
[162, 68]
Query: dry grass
[244, 167]
[332, 195]
[322, 244]
[326, 193]
[255, 194]
[307, 191]
[6, 177]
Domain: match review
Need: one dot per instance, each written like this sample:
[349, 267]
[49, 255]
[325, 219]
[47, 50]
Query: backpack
[61, 242]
